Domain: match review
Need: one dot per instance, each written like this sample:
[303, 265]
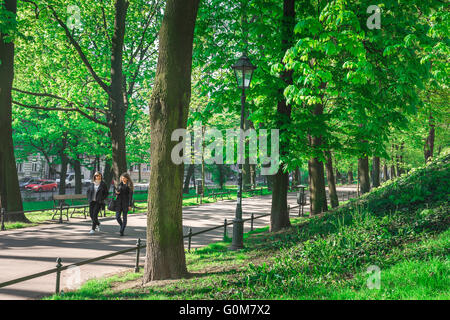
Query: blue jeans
[123, 223]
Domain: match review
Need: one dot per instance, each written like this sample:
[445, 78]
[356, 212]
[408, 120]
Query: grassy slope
[402, 228]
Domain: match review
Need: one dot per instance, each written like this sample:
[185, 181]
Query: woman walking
[96, 194]
[124, 194]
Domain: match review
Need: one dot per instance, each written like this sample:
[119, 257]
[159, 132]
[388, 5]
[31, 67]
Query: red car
[42, 185]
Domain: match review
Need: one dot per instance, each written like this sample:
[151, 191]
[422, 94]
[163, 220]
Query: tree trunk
[296, 177]
[221, 175]
[393, 175]
[108, 174]
[397, 160]
[385, 171]
[246, 175]
[318, 197]
[317, 192]
[117, 94]
[187, 180]
[253, 174]
[78, 180]
[402, 164]
[269, 179]
[279, 212]
[350, 176]
[363, 174]
[169, 105]
[376, 171]
[279, 215]
[331, 181]
[64, 163]
[429, 142]
[9, 182]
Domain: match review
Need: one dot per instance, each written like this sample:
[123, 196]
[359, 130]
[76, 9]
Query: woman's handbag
[112, 205]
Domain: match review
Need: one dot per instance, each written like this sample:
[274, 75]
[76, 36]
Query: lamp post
[243, 70]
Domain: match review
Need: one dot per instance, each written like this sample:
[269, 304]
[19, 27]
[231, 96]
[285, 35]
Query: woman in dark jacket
[124, 192]
[96, 194]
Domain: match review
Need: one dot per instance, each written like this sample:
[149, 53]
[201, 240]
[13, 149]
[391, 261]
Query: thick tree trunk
[331, 181]
[78, 180]
[279, 215]
[363, 174]
[376, 171]
[318, 197]
[169, 107]
[108, 174]
[9, 182]
[188, 178]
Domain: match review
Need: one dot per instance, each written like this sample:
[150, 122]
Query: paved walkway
[35, 249]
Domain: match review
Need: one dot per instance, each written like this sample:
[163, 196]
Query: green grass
[325, 257]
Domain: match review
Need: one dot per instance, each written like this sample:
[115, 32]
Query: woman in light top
[96, 194]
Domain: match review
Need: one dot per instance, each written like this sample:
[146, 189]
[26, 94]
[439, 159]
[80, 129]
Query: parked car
[26, 181]
[42, 185]
[70, 180]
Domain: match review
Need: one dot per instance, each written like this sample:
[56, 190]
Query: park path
[27, 251]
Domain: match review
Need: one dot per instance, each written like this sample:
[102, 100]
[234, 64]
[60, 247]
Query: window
[20, 167]
[34, 167]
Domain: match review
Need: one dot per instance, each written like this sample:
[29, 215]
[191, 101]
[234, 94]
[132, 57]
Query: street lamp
[243, 70]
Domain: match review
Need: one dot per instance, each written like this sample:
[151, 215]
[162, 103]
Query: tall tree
[114, 64]
[9, 183]
[169, 106]
[279, 214]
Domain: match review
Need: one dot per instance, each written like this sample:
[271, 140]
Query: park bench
[61, 202]
[253, 190]
[221, 194]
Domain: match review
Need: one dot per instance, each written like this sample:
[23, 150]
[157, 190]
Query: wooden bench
[60, 203]
[221, 194]
[253, 190]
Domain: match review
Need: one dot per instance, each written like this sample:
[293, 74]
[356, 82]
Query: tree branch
[80, 52]
[63, 109]
[49, 95]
